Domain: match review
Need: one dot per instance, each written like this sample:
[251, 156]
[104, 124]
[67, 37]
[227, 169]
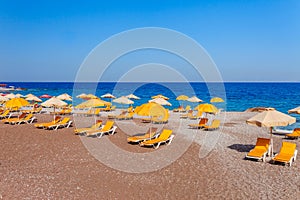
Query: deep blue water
[239, 96]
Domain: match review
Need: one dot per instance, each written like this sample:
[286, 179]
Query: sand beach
[42, 164]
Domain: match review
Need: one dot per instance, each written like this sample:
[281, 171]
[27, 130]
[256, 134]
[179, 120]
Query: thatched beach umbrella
[160, 96]
[123, 100]
[92, 103]
[295, 110]
[33, 98]
[161, 101]
[64, 97]
[3, 99]
[132, 96]
[55, 103]
[108, 95]
[182, 98]
[270, 119]
[194, 99]
[10, 96]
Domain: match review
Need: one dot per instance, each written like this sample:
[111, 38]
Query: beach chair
[150, 134]
[187, 108]
[130, 109]
[201, 124]
[294, 135]
[108, 128]
[197, 116]
[185, 116]
[28, 119]
[94, 127]
[65, 122]
[12, 120]
[262, 148]
[164, 120]
[120, 116]
[214, 125]
[129, 115]
[5, 115]
[179, 109]
[287, 153]
[165, 137]
[42, 125]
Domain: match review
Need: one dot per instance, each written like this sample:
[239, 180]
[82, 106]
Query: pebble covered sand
[43, 164]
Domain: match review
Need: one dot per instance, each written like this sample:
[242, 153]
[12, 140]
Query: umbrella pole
[271, 134]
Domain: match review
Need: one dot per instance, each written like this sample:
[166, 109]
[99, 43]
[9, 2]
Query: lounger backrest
[203, 121]
[97, 125]
[22, 116]
[57, 118]
[130, 114]
[263, 142]
[288, 148]
[296, 131]
[165, 134]
[65, 120]
[188, 107]
[5, 113]
[215, 123]
[108, 125]
[28, 117]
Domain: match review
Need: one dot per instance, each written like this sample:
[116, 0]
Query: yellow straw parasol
[182, 98]
[160, 96]
[216, 100]
[207, 108]
[64, 97]
[108, 95]
[16, 103]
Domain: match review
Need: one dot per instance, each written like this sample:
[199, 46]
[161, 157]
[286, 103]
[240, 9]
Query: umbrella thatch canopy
[182, 98]
[160, 96]
[92, 103]
[33, 98]
[3, 99]
[55, 103]
[216, 100]
[64, 97]
[10, 96]
[132, 96]
[108, 95]
[161, 101]
[295, 110]
[194, 99]
[271, 118]
[259, 109]
[123, 100]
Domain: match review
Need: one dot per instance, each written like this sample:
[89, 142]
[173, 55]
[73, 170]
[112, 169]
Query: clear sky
[254, 40]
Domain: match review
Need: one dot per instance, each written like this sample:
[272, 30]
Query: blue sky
[255, 40]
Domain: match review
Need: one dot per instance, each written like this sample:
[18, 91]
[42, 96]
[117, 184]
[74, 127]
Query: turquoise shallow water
[239, 96]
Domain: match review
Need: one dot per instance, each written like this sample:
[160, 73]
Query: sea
[238, 96]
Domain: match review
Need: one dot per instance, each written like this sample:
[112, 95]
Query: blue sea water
[239, 96]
